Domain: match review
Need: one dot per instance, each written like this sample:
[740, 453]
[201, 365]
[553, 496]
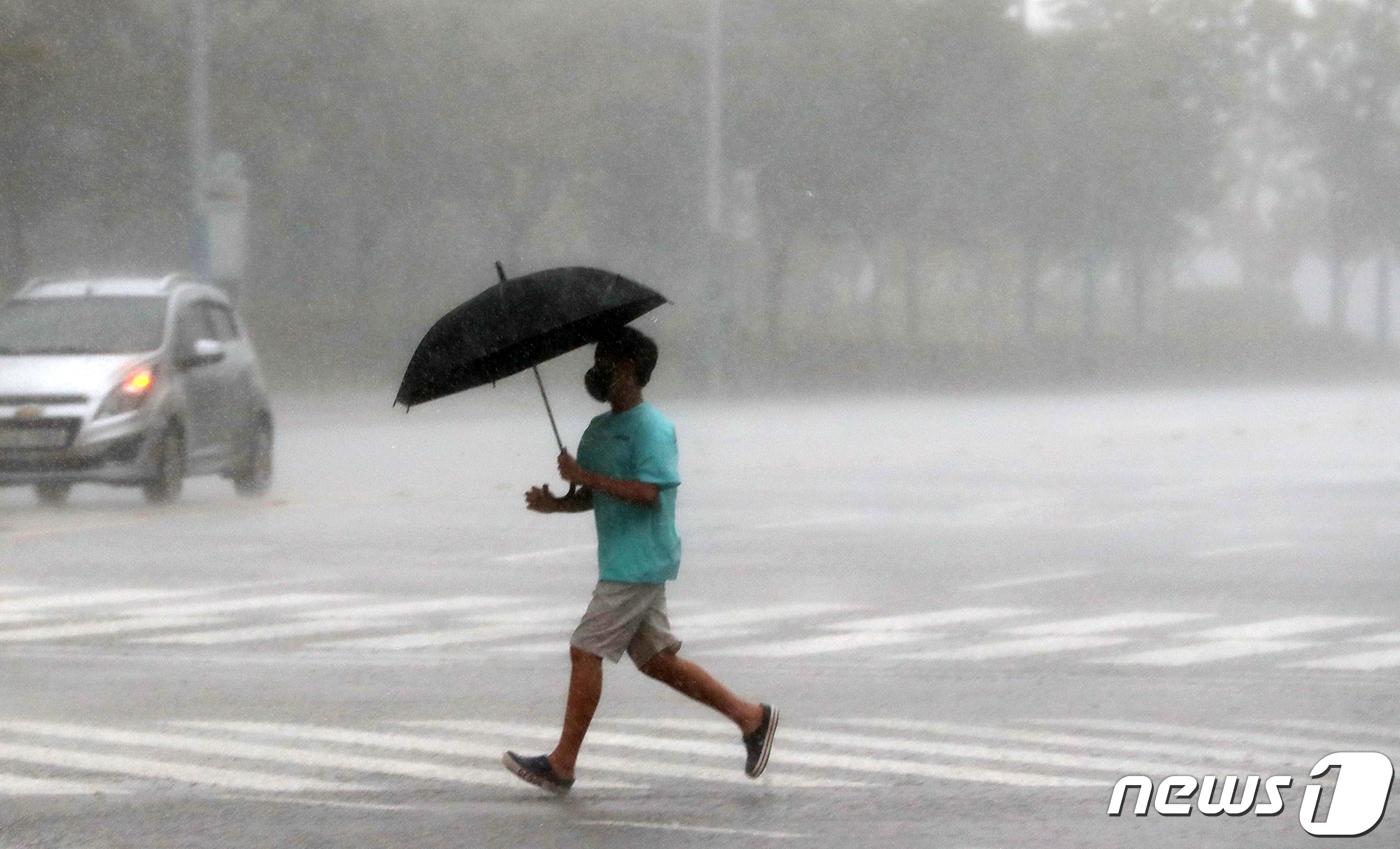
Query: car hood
[92, 375]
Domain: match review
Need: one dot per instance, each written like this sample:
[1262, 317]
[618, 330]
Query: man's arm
[633, 492]
[541, 500]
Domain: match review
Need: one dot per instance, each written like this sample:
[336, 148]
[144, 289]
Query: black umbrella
[518, 324]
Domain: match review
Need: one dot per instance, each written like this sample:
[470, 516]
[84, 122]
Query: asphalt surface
[975, 613]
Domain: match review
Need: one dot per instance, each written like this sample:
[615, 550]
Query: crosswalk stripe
[23, 785]
[1274, 628]
[533, 616]
[102, 628]
[697, 829]
[1367, 661]
[907, 745]
[845, 762]
[485, 627]
[1308, 746]
[405, 608]
[930, 619]
[1031, 579]
[1388, 637]
[1112, 744]
[1027, 647]
[492, 751]
[238, 605]
[223, 747]
[261, 633]
[434, 639]
[544, 553]
[167, 770]
[18, 618]
[1246, 548]
[827, 644]
[1131, 620]
[1389, 732]
[1205, 652]
[752, 615]
[93, 599]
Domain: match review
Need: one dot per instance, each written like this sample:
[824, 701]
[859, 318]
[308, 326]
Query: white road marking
[1000, 649]
[906, 745]
[224, 747]
[315, 803]
[435, 639]
[544, 553]
[699, 829]
[23, 785]
[260, 633]
[1367, 661]
[753, 615]
[1112, 744]
[1248, 548]
[1309, 747]
[535, 615]
[822, 760]
[17, 618]
[93, 599]
[1391, 732]
[408, 608]
[237, 605]
[1206, 652]
[1131, 620]
[827, 644]
[1271, 629]
[1033, 579]
[931, 619]
[237, 779]
[486, 628]
[811, 522]
[104, 628]
[1389, 637]
[492, 751]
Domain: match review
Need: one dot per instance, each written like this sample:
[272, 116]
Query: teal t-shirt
[636, 544]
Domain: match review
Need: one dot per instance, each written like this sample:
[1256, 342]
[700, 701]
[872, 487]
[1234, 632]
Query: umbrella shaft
[547, 408]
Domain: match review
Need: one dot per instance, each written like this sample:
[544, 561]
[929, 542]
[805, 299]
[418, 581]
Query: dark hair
[626, 343]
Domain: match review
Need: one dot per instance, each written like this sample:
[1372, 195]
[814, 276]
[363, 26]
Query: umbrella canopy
[517, 324]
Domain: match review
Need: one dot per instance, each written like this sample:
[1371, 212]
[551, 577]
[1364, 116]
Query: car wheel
[255, 477]
[170, 469]
[53, 493]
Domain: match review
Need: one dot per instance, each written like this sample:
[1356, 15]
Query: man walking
[626, 473]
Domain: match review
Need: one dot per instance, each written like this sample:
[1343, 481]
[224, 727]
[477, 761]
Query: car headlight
[131, 393]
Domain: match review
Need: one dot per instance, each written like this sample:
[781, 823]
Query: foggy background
[954, 192]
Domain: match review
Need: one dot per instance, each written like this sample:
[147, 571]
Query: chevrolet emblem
[29, 412]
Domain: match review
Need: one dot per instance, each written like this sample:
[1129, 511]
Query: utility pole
[199, 132]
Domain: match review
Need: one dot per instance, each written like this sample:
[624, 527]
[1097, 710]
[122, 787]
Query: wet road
[977, 614]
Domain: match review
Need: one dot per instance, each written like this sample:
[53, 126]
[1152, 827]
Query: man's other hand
[541, 500]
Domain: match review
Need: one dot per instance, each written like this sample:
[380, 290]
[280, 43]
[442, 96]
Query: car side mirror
[202, 353]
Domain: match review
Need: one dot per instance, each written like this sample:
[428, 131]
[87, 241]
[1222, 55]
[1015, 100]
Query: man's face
[600, 380]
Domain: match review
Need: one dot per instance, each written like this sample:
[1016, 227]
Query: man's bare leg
[692, 680]
[585, 688]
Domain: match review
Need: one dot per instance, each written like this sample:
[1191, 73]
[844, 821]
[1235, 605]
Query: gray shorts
[626, 617]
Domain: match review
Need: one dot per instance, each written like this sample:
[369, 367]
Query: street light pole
[199, 131]
[714, 117]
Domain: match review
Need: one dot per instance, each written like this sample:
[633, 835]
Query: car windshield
[90, 325]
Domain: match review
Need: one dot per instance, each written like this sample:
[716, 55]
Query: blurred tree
[1344, 95]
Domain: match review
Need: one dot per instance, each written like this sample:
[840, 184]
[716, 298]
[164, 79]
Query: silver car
[138, 382]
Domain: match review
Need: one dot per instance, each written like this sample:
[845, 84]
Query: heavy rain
[990, 410]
